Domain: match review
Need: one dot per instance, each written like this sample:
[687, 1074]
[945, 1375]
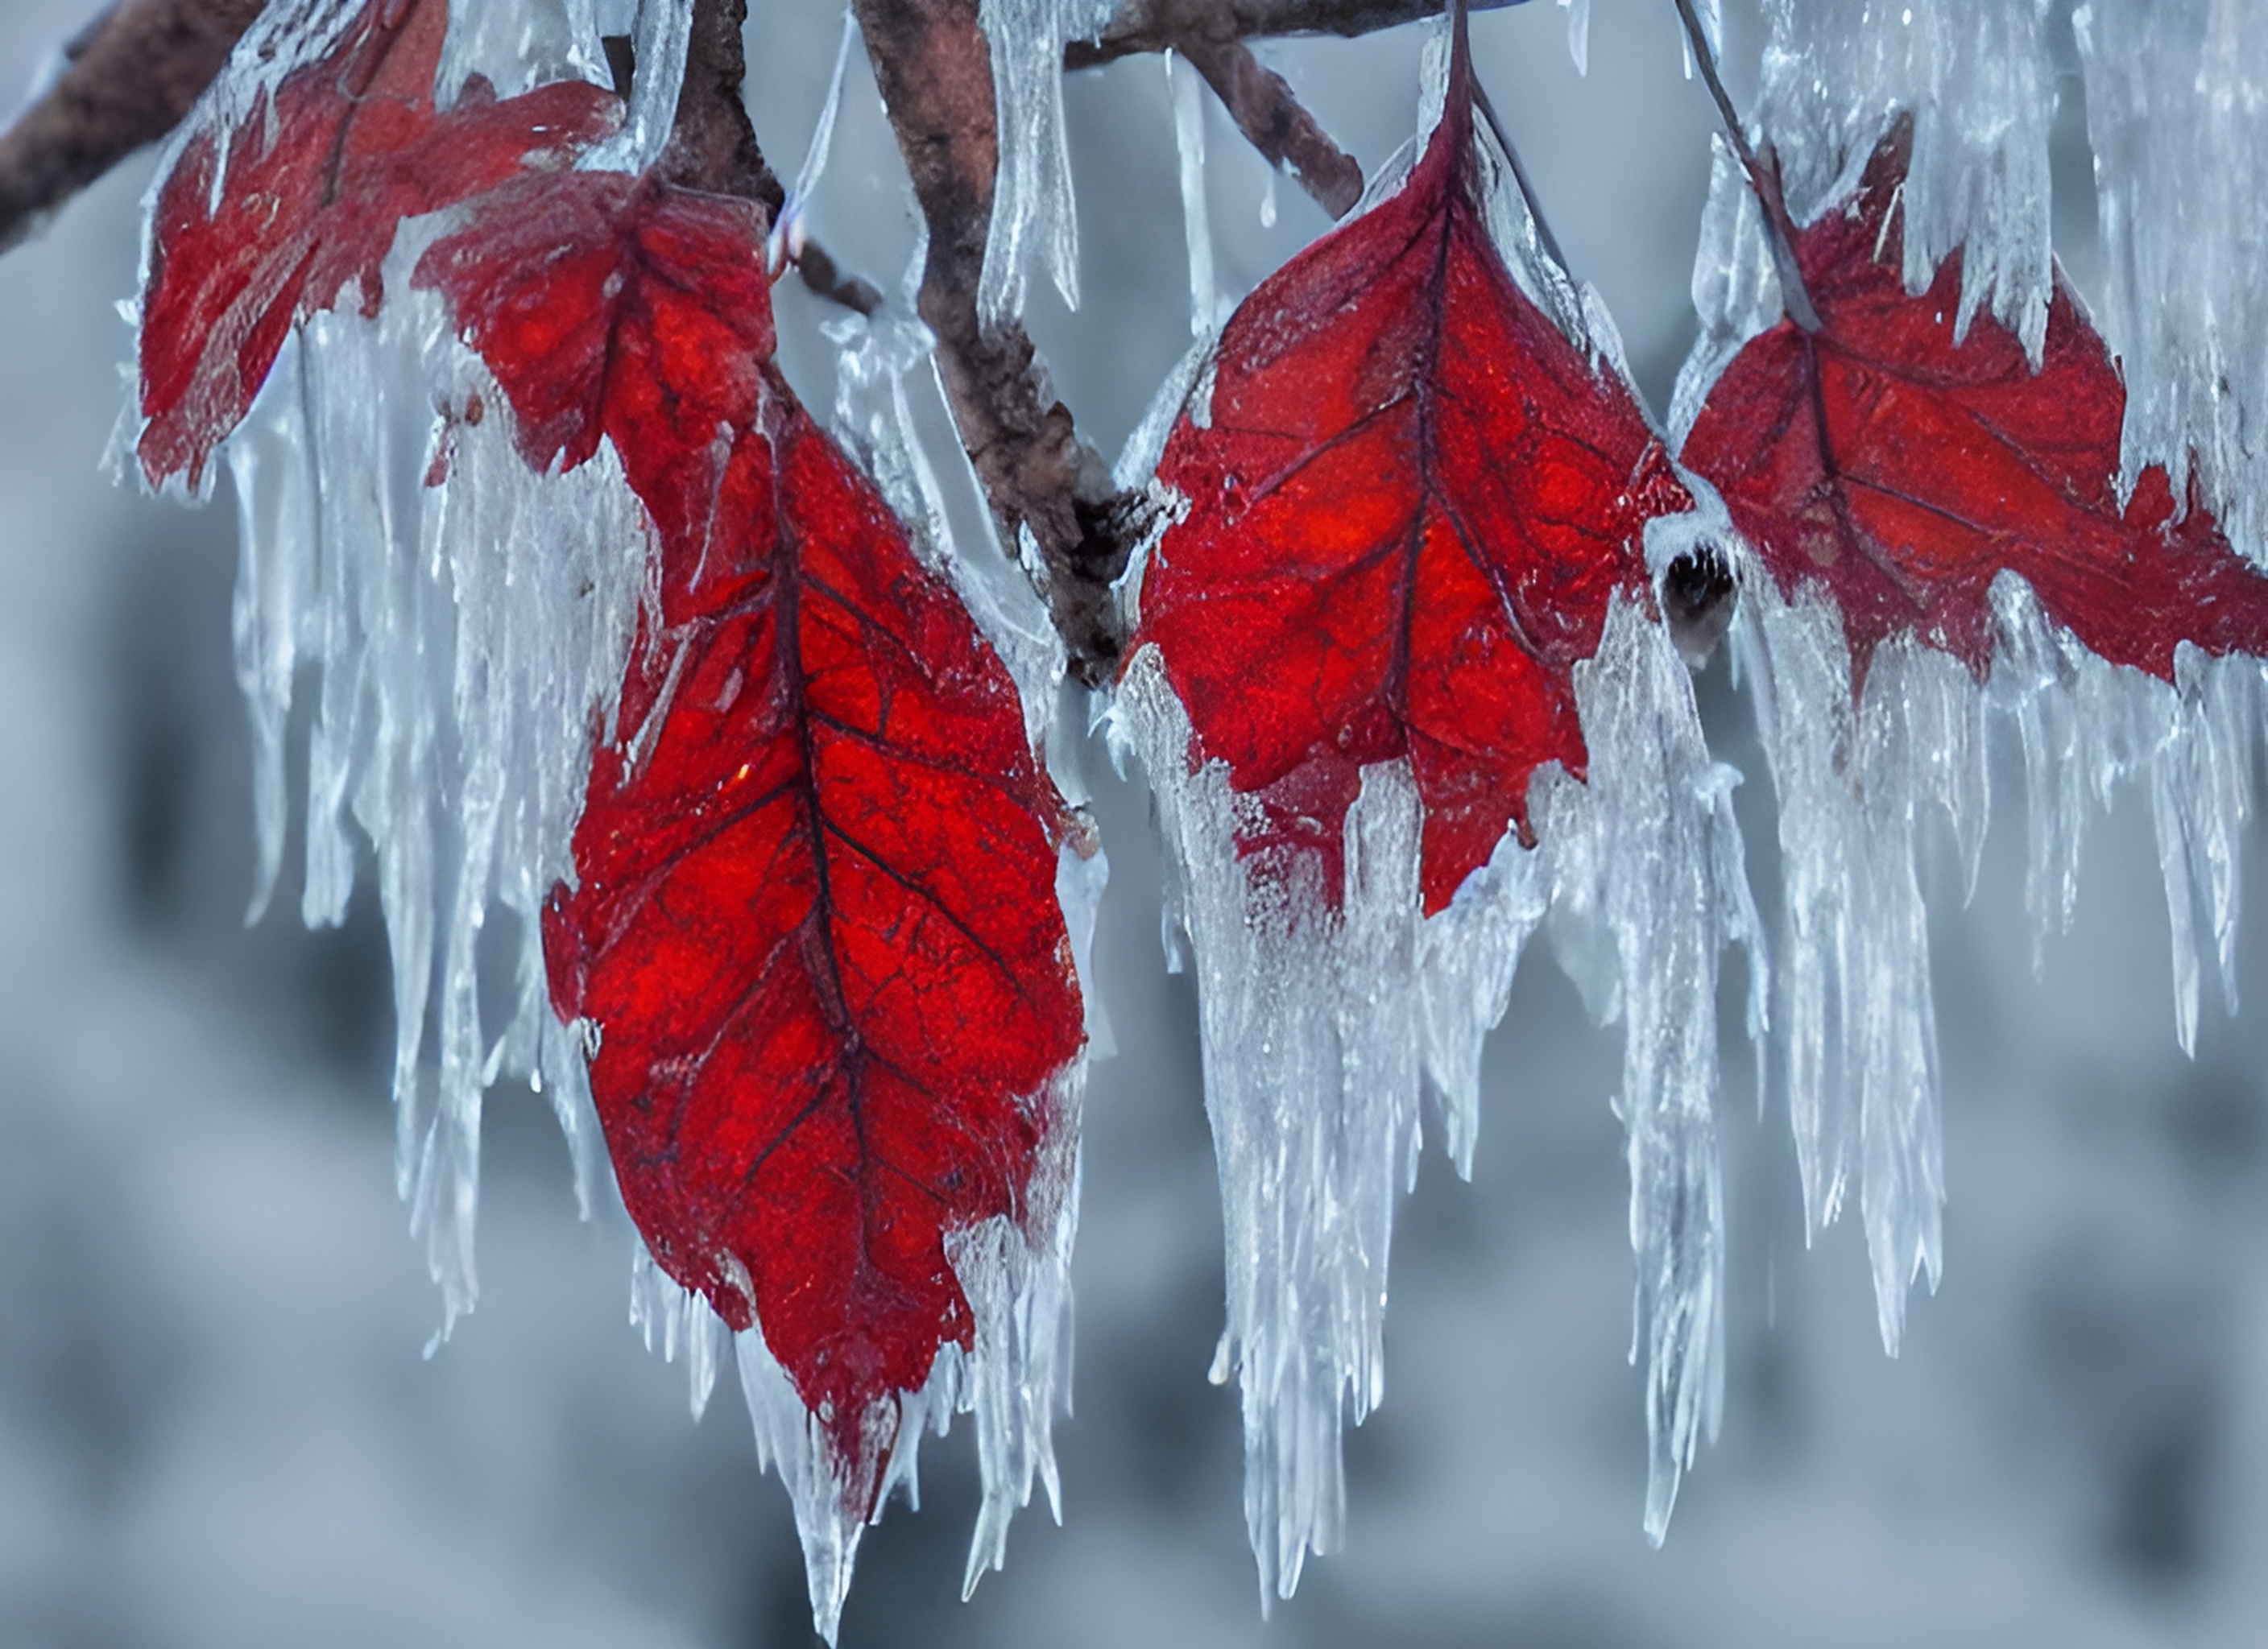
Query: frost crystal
[1322, 1028]
[1977, 80]
[2177, 111]
[1033, 212]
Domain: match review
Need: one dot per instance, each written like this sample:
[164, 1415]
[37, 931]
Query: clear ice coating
[468, 619]
[1033, 212]
[2177, 112]
[1324, 1029]
[466, 624]
[1207, 307]
[1858, 782]
[1017, 1278]
[1976, 76]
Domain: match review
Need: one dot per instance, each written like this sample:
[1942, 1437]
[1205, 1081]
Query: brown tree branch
[134, 73]
[934, 69]
[1274, 122]
[712, 142]
[1156, 26]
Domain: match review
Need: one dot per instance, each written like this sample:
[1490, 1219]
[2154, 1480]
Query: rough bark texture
[1151, 25]
[713, 144]
[134, 73]
[934, 68]
[1273, 121]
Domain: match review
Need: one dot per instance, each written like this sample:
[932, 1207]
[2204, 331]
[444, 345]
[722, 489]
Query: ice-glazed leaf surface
[1409, 501]
[1902, 466]
[610, 306]
[815, 931]
[279, 216]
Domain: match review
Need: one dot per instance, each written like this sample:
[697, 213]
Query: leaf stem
[1487, 108]
[1764, 179]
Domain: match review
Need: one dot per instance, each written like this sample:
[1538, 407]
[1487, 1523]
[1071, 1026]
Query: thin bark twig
[1763, 178]
[1520, 176]
[1275, 122]
[135, 72]
[1156, 26]
[934, 69]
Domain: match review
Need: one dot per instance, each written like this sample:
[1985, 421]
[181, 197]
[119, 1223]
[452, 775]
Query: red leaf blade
[1902, 471]
[315, 185]
[1408, 510]
[815, 921]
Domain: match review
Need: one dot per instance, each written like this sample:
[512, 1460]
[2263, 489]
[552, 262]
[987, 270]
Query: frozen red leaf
[814, 921]
[1902, 470]
[613, 305]
[314, 190]
[1409, 508]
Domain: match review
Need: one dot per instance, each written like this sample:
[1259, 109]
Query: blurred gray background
[215, 1426]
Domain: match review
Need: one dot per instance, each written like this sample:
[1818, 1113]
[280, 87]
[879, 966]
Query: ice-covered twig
[1763, 174]
[934, 69]
[133, 73]
[1275, 122]
[1154, 25]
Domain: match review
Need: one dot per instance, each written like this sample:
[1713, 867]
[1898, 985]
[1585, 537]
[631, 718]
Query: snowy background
[214, 1425]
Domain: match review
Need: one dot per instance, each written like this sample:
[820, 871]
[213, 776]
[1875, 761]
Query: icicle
[673, 1321]
[1312, 1086]
[786, 240]
[1979, 80]
[268, 462]
[1322, 1028]
[1647, 888]
[1735, 290]
[2177, 111]
[1033, 212]
[2086, 725]
[1016, 1279]
[1267, 201]
[1207, 310]
[514, 47]
[1578, 33]
[1855, 783]
[791, 1441]
[660, 42]
[469, 620]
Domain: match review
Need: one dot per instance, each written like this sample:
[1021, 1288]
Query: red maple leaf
[313, 190]
[814, 921]
[1408, 511]
[1902, 471]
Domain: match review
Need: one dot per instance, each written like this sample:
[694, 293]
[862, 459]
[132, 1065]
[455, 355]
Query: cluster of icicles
[470, 634]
